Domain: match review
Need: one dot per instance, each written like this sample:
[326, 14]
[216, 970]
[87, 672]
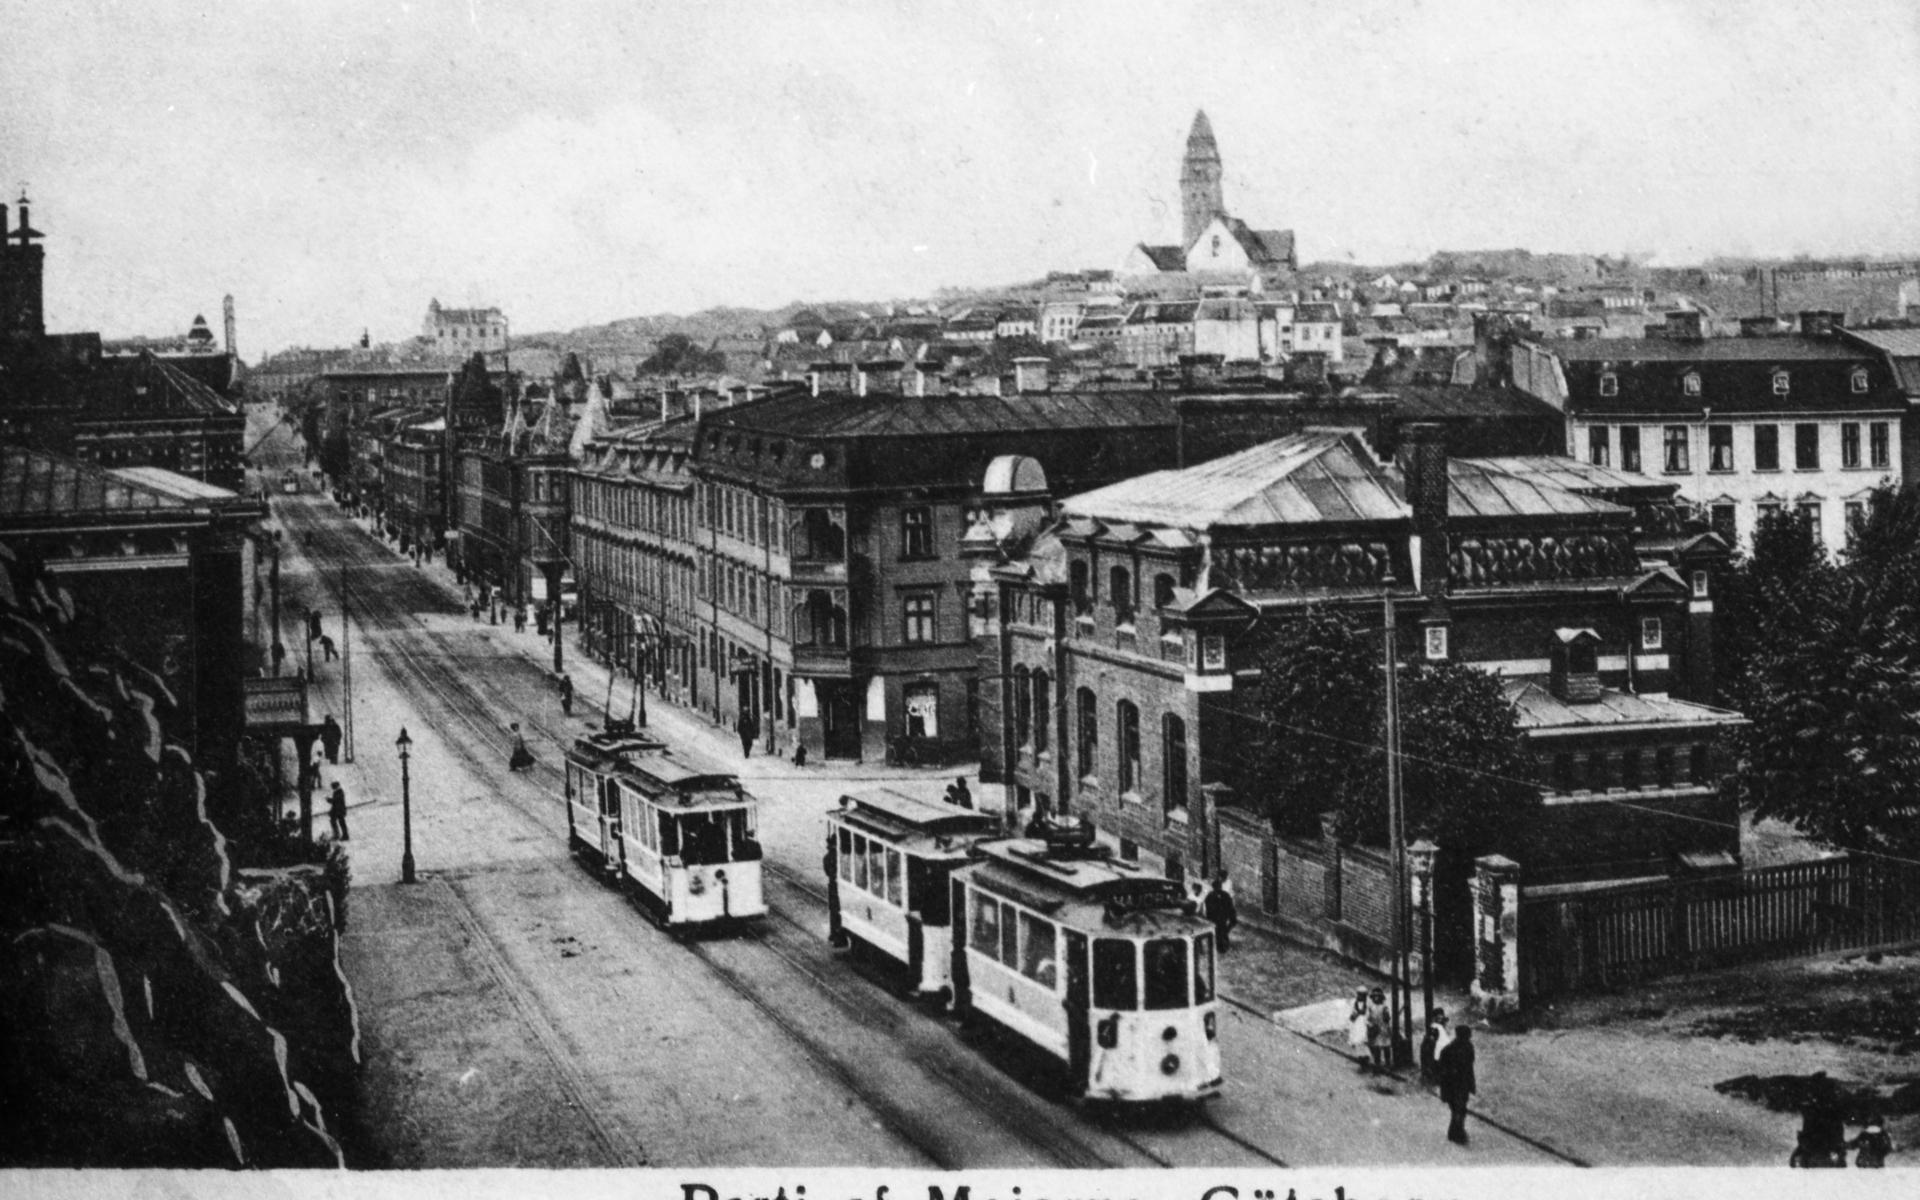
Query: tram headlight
[1170, 1064]
[1169, 1033]
[1212, 1026]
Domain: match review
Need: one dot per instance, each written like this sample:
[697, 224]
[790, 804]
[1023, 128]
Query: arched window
[1042, 711]
[1022, 707]
[1127, 742]
[1088, 734]
[1162, 590]
[1173, 761]
[1120, 594]
[1081, 589]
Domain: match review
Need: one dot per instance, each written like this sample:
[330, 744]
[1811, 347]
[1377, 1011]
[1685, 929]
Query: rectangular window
[1115, 975]
[1173, 762]
[916, 532]
[896, 878]
[1879, 450]
[1700, 584]
[1599, 445]
[917, 617]
[1038, 954]
[860, 862]
[1766, 447]
[1202, 969]
[1725, 521]
[983, 923]
[1850, 444]
[1675, 445]
[1806, 447]
[1010, 936]
[1166, 972]
[1809, 511]
[1856, 513]
[1719, 447]
[1436, 642]
[1629, 447]
[1650, 633]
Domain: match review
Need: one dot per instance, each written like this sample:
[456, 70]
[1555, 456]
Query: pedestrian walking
[799, 754]
[749, 729]
[337, 812]
[326, 648]
[1873, 1145]
[279, 655]
[520, 619]
[1221, 910]
[476, 609]
[1357, 1029]
[330, 738]
[1380, 1031]
[1457, 1082]
[1431, 1044]
[958, 794]
[521, 758]
[566, 694]
[540, 620]
[830, 863]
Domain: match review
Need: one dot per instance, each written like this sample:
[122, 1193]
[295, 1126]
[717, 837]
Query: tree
[678, 354]
[1831, 685]
[1778, 588]
[1313, 702]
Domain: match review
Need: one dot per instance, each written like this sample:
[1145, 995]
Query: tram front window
[1166, 973]
[1115, 975]
[927, 891]
[1203, 968]
[708, 837]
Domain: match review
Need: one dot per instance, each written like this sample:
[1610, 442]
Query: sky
[338, 163]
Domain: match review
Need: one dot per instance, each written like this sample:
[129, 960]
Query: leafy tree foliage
[1319, 744]
[678, 354]
[1830, 680]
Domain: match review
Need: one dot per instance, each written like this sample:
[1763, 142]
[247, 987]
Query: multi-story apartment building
[510, 498]
[1131, 629]
[1805, 423]
[831, 600]
[413, 470]
[634, 538]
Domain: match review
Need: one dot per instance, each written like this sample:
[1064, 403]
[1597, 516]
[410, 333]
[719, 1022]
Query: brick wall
[1246, 857]
[1300, 882]
[1366, 892]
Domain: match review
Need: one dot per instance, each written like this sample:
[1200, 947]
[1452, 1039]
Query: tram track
[461, 701]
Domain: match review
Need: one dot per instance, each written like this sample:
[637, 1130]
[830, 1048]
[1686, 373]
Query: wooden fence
[1605, 938]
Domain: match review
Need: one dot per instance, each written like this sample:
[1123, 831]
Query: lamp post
[405, 743]
[1421, 856]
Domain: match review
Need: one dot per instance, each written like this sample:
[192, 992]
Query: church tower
[1200, 173]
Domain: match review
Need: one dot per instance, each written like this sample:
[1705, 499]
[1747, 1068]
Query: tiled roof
[1316, 312]
[1320, 476]
[1540, 709]
[841, 414]
[34, 484]
[1904, 343]
[1264, 247]
[1165, 258]
[1417, 402]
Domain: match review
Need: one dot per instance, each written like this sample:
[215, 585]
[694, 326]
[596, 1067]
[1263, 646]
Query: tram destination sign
[1143, 895]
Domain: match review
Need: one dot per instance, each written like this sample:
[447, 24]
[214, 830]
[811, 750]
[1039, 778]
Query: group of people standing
[1446, 1053]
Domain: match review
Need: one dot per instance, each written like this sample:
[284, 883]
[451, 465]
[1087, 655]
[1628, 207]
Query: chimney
[1753, 327]
[1575, 675]
[226, 306]
[1030, 374]
[1814, 323]
[1423, 464]
[1684, 325]
[665, 407]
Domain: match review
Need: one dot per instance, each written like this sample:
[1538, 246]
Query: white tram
[1100, 964]
[890, 858]
[683, 841]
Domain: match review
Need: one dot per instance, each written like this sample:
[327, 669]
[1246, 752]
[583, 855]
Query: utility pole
[346, 662]
[1402, 1010]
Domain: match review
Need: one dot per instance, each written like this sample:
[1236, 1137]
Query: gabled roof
[1263, 247]
[1165, 258]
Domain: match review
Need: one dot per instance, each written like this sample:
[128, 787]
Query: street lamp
[1421, 856]
[405, 743]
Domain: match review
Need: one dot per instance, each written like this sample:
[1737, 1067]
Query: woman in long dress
[521, 757]
[1357, 1028]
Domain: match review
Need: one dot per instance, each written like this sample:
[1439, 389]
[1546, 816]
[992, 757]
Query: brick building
[510, 501]
[413, 474]
[1130, 628]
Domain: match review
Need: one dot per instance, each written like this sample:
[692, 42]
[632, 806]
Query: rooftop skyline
[336, 167]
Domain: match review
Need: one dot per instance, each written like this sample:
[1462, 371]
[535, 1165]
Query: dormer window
[1781, 384]
[1609, 384]
[1216, 245]
[1651, 634]
[1860, 381]
[1436, 643]
[1691, 383]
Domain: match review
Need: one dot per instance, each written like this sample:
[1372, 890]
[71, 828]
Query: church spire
[1200, 175]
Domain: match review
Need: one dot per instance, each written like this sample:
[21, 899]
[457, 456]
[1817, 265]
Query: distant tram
[891, 859]
[1101, 965]
[684, 842]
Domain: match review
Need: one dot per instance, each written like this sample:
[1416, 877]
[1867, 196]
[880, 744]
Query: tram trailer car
[891, 858]
[684, 841]
[1103, 966]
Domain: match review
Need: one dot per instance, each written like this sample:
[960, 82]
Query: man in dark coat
[337, 812]
[749, 729]
[566, 694]
[1221, 910]
[830, 863]
[1457, 1082]
[330, 738]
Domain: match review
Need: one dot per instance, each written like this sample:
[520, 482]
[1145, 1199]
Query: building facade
[1807, 423]
[1131, 630]
[460, 332]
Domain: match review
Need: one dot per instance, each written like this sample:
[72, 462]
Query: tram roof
[690, 789]
[920, 826]
[609, 748]
[1084, 893]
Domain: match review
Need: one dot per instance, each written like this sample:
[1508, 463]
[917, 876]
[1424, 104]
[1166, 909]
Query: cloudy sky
[335, 164]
